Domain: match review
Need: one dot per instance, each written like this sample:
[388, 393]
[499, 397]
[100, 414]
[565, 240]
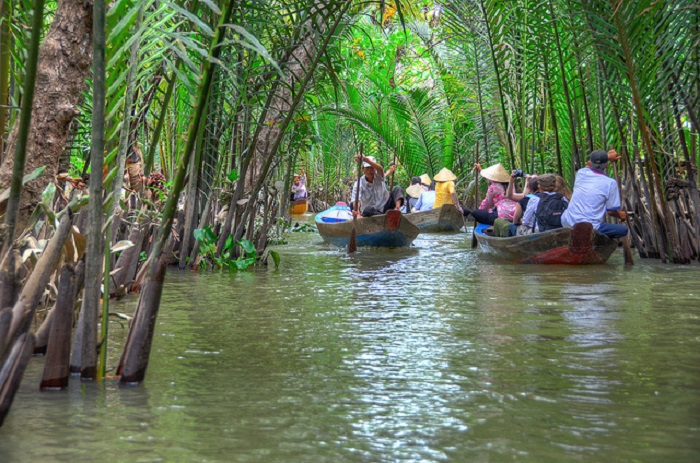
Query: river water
[432, 354]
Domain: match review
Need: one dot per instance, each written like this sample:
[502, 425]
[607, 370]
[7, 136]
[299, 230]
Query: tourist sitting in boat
[426, 200]
[413, 192]
[544, 209]
[496, 204]
[374, 198]
[299, 186]
[425, 182]
[445, 192]
[562, 187]
[595, 194]
[516, 228]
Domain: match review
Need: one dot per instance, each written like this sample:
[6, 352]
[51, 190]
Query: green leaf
[275, 257]
[233, 175]
[49, 194]
[247, 246]
[209, 234]
[199, 235]
[229, 242]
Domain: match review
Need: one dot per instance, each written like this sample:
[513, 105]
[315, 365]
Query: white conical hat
[445, 175]
[496, 173]
[414, 191]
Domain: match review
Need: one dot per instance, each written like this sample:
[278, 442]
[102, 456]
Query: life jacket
[549, 211]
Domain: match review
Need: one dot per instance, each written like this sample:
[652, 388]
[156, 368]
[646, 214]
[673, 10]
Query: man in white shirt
[595, 194]
[374, 197]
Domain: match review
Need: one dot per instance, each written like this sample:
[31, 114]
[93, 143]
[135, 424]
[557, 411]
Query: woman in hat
[299, 186]
[445, 192]
[496, 204]
[425, 182]
[413, 192]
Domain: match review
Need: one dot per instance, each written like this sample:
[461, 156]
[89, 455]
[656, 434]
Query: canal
[431, 354]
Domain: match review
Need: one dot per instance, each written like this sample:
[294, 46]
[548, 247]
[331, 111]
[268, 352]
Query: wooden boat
[572, 246]
[390, 230]
[298, 207]
[445, 219]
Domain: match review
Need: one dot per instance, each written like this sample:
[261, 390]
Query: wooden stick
[352, 244]
[629, 260]
[391, 185]
[476, 193]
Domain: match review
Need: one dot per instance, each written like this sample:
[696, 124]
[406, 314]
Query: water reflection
[434, 353]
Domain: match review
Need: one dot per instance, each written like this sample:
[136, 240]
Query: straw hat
[496, 173]
[414, 191]
[445, 175]
[425, 179]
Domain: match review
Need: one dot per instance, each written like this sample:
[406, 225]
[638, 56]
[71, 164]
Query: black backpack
[549, 211]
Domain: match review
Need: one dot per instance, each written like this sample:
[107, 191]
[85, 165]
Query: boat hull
[298, 207]
[391, 230]
[445, 219]
[580, 245]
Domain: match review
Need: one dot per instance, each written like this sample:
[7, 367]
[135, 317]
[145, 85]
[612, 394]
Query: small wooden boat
[570, 246]
[445, 219]
[390, 230]
[298, 207]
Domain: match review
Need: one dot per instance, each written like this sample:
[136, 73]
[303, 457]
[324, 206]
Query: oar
[391, 185]
[629, 260]
[352, 244]
[476, 193]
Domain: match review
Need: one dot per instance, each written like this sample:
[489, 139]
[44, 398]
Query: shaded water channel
[424, 355]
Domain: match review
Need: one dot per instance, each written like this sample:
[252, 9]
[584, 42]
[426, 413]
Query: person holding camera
[495, 205]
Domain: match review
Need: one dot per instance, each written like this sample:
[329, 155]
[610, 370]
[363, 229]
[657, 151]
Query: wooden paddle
[629, 260]
[391, 185]
[352, 244]
[476, 193]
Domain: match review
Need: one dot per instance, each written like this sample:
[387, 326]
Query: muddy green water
[425, 355]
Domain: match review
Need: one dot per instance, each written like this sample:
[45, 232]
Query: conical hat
[414, 191]
[496, 173]
[425, 179]
[445, 175]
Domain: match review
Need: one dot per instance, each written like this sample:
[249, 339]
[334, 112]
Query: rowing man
[595, 194]
[374, 197]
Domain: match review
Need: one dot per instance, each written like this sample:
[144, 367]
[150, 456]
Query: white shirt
[372, 194]
[594, 194]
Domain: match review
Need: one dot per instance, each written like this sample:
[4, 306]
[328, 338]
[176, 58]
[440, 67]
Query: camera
[518, 173]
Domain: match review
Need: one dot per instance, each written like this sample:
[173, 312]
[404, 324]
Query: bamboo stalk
[13, 370]
[95, 238]
[5, 17]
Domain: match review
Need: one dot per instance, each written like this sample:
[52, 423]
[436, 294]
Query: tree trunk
[56, 367]
[64, 63]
